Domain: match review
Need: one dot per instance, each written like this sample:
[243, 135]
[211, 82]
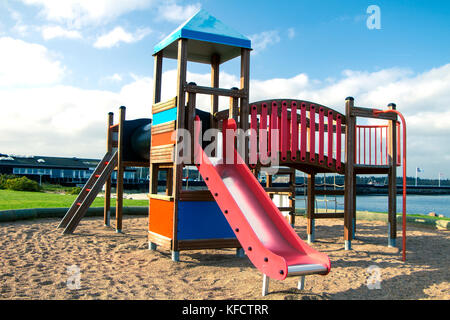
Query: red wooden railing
[297, 131]
[372, 143]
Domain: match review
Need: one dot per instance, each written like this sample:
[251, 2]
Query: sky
[64, 64]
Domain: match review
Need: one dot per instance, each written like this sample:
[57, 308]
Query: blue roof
[209, 35]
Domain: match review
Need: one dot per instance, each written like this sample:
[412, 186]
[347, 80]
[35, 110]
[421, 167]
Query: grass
[10, 200]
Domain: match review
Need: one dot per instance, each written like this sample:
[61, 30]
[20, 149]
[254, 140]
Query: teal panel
[204, 30]
[165, 116]
[202, 220]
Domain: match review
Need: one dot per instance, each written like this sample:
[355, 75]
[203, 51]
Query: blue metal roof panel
[204, 27]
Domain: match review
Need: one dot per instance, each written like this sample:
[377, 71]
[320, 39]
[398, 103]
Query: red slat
[274, 133]
[370, 146]
[312, 133]
[364, 145]
[321, 135]
[330, 138]
[399, 151]
[303, 132]
[386, 146]
[381, 146]
[338, 142]
[253, 159]
[263, 134]
[294, 131]
[284, 131]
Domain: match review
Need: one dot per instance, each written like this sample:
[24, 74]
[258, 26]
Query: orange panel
[164, 138]
[161, 217]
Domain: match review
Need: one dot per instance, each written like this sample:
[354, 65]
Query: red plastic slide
[265, 235]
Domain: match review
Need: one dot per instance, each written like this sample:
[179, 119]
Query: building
[64, 171]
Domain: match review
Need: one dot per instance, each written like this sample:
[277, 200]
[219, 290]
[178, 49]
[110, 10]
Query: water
[415, 204]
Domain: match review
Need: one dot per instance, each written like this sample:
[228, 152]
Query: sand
[35, 259]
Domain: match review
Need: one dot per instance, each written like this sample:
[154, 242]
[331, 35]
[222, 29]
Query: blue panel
[202, 220]
[164, 116]
[204, 27]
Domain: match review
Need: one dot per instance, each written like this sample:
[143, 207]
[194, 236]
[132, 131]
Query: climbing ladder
[87, 195]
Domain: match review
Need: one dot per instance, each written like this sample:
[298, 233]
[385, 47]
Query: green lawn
[29, 200]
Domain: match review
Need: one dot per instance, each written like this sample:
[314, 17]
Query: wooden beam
[371, 169]
[392, 178]
[160, 197]
[328, 215]
[208, 244]
[330, 192]
[164, 105]
[120, 171]
[164, 127]
[107, 205]
[310, 206]
[368, 113]
[350, 141]
[157, 78]
[244, 102]
[214, 91]
[215, 71]
[181, 103]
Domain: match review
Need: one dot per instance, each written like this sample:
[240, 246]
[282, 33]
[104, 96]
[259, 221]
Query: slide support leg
[176, 256]
[240, 253]
[265, 285]
[301, 283]
[348, 244]
[312, 234]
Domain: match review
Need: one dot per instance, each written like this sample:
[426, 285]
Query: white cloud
[52, 119]
[261, 41]
[27, 64]
[51, 32]
[291, 33]
[115, 78]
[79, 13]
[173, 12]
[19, 27]
[118, 35]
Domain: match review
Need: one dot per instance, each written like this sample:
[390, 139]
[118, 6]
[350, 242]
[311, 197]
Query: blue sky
[65, 63]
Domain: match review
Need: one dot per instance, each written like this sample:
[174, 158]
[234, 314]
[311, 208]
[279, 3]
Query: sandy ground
[35, 259]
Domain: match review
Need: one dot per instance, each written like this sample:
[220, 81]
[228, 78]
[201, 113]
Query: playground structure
[236, 211]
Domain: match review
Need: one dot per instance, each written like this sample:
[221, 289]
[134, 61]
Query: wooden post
[215, 71]
[153, 168]
[157, 77]
[244, 107]
[107, 206]
[349, 203]
[120, 170]
[354, 207]
[310, 228]
[392, 177]
[234, 107]
[189, 120]
[178, 166]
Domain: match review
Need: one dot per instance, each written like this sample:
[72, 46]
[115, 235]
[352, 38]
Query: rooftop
[208, 36]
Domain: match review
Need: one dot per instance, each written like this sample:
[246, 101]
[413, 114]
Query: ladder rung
[97, 176]
[78, 203]
[106, 162]
[88, 190]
